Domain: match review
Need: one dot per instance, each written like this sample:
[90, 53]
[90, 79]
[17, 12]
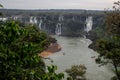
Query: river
[75, 51]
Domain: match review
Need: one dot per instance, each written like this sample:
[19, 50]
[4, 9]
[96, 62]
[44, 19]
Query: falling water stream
[40, 24]
[58, 29]
[89, 23]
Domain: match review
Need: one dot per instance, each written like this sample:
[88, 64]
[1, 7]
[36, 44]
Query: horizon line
[55, 9]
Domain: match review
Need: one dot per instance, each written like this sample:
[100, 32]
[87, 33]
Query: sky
[58, 4]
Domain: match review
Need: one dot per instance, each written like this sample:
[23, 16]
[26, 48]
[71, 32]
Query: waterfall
[59, 25]
[15, 18]
[44, 28]
[44, 18]
[40, 24]
[58, 29]
[3, 19]
[84, 36]
[35, 20]
[89, 23]
[73, 18]
[61, 18]
[31, 19]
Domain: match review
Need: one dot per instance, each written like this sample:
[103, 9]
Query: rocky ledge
[52, 48]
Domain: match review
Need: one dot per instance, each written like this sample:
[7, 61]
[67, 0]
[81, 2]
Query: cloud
[58, 4]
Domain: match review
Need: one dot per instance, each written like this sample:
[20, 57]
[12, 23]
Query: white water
[73, 18]
[40, 24]
[15, 18]
[75, 51]
[58, 29]
[61, 18]
[3, 19]
[89, 23]
[33, 20]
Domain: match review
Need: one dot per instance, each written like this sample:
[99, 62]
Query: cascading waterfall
[89, 23]
[44, 28]
[84, 36]
[31, 19]
[61, 18]
[15, 18]
[44, 18]
[73, 18]
[58, 29]
[54, 24]
[59, 25]
[35, 20]
[3, 19]
[40, 24]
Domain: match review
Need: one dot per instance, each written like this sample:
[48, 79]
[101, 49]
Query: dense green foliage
[96, 34]
[109, 53]
[77, 72]
[51, 75]
[18, 52]
[109, 48]
[19, 48]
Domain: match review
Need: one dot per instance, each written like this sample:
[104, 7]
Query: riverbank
[52, 48]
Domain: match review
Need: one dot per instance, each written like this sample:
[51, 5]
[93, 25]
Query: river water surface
[75, 51]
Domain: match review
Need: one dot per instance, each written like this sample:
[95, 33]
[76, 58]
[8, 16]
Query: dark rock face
[92, 36]
[93, 45]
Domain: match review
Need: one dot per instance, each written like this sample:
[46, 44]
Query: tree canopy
[19, 48]
[109, 48]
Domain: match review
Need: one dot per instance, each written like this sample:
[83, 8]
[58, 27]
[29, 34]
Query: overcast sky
[57, 4]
